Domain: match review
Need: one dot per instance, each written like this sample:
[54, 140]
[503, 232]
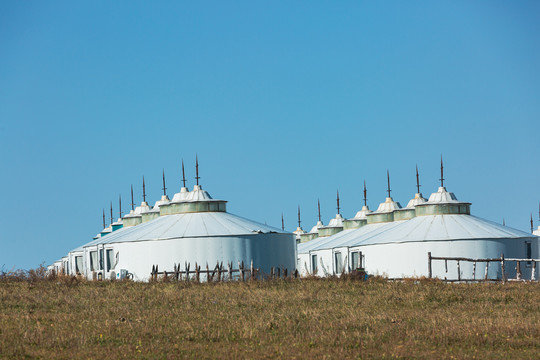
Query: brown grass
[307, 318]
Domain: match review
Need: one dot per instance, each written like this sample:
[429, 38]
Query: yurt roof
[306, 247]
[189, 225]
[356, 236]
[445, 227]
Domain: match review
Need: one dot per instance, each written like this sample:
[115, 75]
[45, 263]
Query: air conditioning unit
[121, 274]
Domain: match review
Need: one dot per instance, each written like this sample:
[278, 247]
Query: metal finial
[183, 174]
[337, 199]
[104, 225]
[299, 216]
[365, 194]
[120, 206]
[504, 223]
[388, 179]
[197, 169]
[539, 211]
[532, 225]
[442, 173]
[132, 202]
[112, 220]
[319, 208]
[164, 187]
[143, 190]
[417, 181]
[282, 222]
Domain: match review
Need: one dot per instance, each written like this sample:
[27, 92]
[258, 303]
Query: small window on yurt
[314, 264]
[100, 259]
[93, 260]
[110, 259]
[338, 263]
[528, 251]
[354, 260]
[78, 265]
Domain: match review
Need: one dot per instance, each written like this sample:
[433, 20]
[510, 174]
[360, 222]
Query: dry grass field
[295, 319]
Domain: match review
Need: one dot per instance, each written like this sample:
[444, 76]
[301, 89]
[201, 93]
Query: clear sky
[284, 103]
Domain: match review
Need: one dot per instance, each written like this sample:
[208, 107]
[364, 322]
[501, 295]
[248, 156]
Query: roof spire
[197, 169]
[504, 223]
[319, 208]
[120, 205]
[299, 216]
[282, 222]
[164, 188]
[532, 225]
[337, 199]
[143, 190]
[104, 225]
[539, 211]
[112, 220]
[132, 202]
[442, 173]
[365, 193]
[388, 179]
[417, 180]
[183, 174]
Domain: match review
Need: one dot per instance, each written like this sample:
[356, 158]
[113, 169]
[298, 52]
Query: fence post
[241, 267]
[502, 268]
[430, 273]
[230, 270]
[279, 272]
[458, 271]
[188, 265]
[474, 271]
[251, 270]
[197, 268]
[486, 272]
[285, 272]
[518, 270]
[533, 271]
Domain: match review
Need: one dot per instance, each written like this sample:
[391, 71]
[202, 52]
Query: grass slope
[308, 318]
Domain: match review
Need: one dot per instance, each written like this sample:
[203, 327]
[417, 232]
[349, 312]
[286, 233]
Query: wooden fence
[220, 273]
[502, 262]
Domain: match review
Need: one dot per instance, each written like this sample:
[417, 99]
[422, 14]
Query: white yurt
[441, 226]
[192, 228]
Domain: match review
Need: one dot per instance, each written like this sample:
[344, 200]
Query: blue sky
[284, 103]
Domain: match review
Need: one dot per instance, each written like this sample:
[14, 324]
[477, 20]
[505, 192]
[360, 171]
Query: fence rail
[502, 261]
[220, 273]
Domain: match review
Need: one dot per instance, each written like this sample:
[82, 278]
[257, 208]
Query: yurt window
[110, 259]
[354, 260]
[100, 259]
[528, 251]
[78, 264]
[93, 260]
[314, 264]
[338, 263]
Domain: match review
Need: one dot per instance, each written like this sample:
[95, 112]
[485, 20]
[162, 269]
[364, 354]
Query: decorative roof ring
[365, 193]
[388, 179]
[197, 169]
[164, 187]
[417, 181]
[183, 174]
[442, 173]
[337, 200]
[143, 190]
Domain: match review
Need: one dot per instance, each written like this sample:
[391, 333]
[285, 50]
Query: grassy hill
[306, 318]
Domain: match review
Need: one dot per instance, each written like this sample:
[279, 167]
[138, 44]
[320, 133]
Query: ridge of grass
[66, 317]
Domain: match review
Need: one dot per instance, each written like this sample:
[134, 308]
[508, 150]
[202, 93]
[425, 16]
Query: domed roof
[388, 206]
[360, 215]
[443, 197]
[418, 199]
[181, 196]
[164, 200]
[336, 222]
[189, 225]
[139, 210]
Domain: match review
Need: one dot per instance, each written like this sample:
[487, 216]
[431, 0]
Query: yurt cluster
[393, 241]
